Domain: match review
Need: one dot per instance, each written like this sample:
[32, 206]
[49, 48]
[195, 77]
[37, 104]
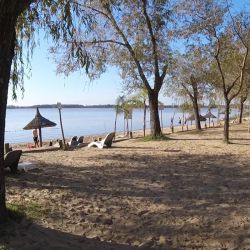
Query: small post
[249, 118]
[6, 148]
[59, 106]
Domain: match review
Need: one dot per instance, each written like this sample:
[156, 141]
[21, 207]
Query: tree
[188, 77]
[18, 21]
[140, 99]
[224, 35]
[127, 34]
[244, 93]
[118, 108]
[9, 13]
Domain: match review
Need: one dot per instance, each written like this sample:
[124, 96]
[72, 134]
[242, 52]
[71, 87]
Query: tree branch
[130, 49]
[242, 74]
[232, 85]
[105, 41]
[153, 40]
[234, 27]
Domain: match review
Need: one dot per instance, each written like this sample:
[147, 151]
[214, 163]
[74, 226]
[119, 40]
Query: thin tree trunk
[195, 103]
[242, 100]
[116, 115]
[196, 114]
[127, 127]
[144, 117]
[226, 122]
[154, 114]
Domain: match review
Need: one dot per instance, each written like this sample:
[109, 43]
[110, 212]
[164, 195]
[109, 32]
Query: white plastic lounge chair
[106, 142]
[11, 159]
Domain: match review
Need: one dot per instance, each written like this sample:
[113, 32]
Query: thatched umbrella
[192, 118]
[209, 115]
[39, 122]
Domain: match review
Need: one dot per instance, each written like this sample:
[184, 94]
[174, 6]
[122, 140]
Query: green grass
[17, 211]
[154, 138]
[17, 214]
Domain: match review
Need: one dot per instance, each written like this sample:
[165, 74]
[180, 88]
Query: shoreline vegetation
[102, 106]
[140, 194]
[76, 106]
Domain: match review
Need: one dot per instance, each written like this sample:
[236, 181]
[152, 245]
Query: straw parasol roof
[39, 122]
[192, 118]
[209, 115]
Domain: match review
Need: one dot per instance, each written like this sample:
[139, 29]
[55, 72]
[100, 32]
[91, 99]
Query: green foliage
[127, 34]
[58, 22]
[186, 107]
[17, 211]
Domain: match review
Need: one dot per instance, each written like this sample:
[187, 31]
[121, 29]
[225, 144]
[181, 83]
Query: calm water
[82, 121]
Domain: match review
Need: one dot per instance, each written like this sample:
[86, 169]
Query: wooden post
[64, 146]
[6, 148]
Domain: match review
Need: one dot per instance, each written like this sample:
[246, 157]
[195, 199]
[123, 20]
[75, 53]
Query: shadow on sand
[194, 201]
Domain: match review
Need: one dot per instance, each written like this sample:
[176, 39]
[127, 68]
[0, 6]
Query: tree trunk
[196, 114]
[195, 103]
[116, 115]
[226, 122]
[9, 12]
[127, 127]
[154, 114]
[144, 117]
[242, 100]
[7, 46]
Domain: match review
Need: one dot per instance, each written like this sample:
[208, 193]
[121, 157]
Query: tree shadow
[26, 234]
[191, 200]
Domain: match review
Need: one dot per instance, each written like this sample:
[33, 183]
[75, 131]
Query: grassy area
[154, 138]
[18, 211]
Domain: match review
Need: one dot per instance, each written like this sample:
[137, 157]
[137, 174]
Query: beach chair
[80, 139]
[73, 141]
[11, 159]
[106, 142]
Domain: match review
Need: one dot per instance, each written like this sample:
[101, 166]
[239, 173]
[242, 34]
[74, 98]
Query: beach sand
[188, 192]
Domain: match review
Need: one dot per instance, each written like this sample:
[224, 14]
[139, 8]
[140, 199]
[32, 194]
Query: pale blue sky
[46, 87]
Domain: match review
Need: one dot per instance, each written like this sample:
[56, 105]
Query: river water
[79, 121]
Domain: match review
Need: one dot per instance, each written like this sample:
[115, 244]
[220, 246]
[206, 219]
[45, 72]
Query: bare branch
[105, 41]
[131, 51]
[242, 74]
[232, 85]
[153, 40]
[234, 26]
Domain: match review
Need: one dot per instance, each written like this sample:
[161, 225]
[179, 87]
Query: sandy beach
[188, 192]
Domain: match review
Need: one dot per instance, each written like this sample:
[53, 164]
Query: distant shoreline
[78, 106]
[63, 106]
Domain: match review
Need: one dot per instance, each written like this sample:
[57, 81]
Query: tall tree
[9, 13]
[118, 108]
[244, 93]
[188, 78]
[135, 33]
[225, 35]
[18, 21]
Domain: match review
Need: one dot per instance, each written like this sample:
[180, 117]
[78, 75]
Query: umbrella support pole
[40, 137]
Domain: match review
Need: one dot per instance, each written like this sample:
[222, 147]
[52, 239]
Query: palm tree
[139, 101]
[118, 108]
